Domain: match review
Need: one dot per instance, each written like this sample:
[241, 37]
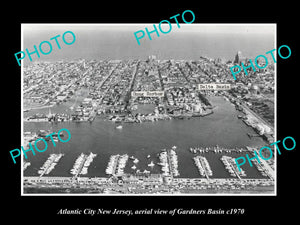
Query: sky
[117, 41]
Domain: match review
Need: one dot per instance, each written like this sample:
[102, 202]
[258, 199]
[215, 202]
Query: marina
[265, 167]
[203, 166]
[166, 160]
[116, 165]
[169, 162]
[135, 180]
[230, 166]
[49, 164]
[140, 145]
[165, 181]
[215, 149]
[81, 164]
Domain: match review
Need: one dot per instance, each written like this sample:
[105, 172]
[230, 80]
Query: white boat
[25, 165]
[133, 167]
[135, 160]
[148, 156]
[151, 164]
[119, 127]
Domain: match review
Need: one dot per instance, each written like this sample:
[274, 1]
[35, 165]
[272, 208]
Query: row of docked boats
[206, 166]
[78, 164]
[116, 164]
[87, 163]
[49, 164]
[25, 165]
[112, 164]
[199, 166]
[82, 163]
[215, 149]
[260, 168]
[203, 166]
[230, 166]
[173, 161]
[121, 165]
[169, 162]
[164, 163]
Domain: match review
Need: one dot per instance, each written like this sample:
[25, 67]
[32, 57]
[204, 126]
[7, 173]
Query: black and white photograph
[131, 112]
[148, 117]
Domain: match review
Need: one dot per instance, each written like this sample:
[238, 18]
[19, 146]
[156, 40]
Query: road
[246, 108]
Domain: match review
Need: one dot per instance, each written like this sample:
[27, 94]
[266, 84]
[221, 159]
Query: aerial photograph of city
[148, 119]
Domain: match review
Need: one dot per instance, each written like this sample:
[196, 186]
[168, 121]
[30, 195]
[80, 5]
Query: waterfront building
[238, 59]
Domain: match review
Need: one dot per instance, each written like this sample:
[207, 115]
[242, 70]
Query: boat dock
[264, 168]
[229, 164]
[173, 162]
[216, 149]
[116, 165]
[49, 164]
[169, 162]
[25, 165]
[78, 165]
[203, 166]
[81, 164]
